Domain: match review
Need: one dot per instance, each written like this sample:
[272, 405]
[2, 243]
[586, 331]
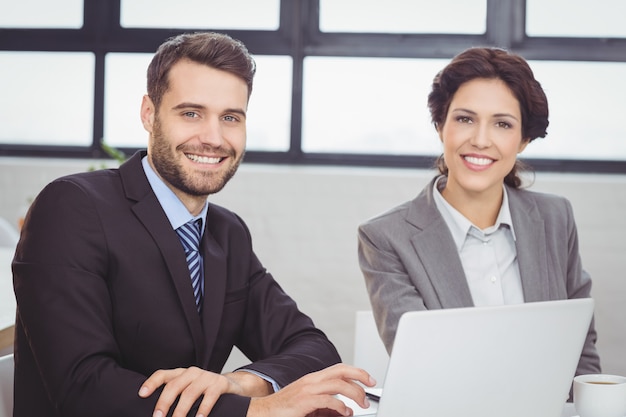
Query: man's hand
[192, 383]
[316, 391]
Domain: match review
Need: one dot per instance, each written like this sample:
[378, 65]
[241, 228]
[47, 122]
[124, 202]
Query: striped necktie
[189, 234]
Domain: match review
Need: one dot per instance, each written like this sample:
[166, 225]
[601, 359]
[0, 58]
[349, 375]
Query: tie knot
[189, 234]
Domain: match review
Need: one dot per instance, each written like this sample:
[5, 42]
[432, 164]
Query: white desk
[7, 298]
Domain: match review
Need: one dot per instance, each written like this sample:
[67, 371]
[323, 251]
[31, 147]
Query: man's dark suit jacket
[105, 299]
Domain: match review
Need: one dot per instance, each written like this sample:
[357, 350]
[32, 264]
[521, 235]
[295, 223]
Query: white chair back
[369, 350]
[6, 385]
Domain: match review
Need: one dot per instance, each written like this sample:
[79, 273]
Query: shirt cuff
[275, 386]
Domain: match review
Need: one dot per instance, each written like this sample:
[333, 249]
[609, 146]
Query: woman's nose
[480, 137]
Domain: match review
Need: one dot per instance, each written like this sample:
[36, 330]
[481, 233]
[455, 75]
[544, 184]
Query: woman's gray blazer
[410, 262]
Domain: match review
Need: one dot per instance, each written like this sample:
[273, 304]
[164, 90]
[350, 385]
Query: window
[41, 14]
[378, 106]
[47, 98]
[586, 106]
[203, 14]
[401, 16]
[338, 81]
[598, 18]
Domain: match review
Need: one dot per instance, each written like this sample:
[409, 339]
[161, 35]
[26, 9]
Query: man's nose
[211, 132]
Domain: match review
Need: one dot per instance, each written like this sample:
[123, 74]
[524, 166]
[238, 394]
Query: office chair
[6, 385]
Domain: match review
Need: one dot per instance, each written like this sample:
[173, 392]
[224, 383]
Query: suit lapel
[215, 272]
[437, 252]
[151, 215]
[531, 246]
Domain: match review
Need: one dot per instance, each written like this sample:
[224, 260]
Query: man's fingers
[341, 379]
[347, 388]
[175, 381]
[207, 403]
[158, 378]
[209, 386]
[347, 372]
[168, 396]
[188, 386]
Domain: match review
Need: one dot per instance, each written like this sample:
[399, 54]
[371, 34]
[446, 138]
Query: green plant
[114, 153]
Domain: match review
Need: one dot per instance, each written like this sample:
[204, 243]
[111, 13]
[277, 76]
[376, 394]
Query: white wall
[304, 220]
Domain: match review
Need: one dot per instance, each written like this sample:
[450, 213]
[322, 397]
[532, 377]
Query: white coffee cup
[600, 395]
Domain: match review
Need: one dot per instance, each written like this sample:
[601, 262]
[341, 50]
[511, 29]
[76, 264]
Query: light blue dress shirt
[174, 209]
[488, 256]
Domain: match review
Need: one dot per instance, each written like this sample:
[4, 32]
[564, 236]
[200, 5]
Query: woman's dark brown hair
[215, 50]
[492, 63]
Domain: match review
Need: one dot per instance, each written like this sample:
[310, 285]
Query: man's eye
[230, 118]
[191, 114]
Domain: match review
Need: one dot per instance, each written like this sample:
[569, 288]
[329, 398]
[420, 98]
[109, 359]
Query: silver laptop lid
[505, 361]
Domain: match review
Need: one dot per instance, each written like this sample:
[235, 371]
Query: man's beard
[197, 184]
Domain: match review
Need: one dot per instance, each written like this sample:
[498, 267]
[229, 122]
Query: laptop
[503, 361]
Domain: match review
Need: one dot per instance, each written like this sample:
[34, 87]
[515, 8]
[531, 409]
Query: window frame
[298, 36]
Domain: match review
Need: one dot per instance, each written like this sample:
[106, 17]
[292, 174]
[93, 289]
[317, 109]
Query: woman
[473, 237]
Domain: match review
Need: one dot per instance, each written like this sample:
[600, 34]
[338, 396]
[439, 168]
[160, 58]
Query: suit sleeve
[282, 342]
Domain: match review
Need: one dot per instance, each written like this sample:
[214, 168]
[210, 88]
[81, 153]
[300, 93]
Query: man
[121, 314]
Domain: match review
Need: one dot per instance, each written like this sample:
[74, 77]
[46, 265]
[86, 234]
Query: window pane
[369, 105]
[586, 111]
[200, 14]
[401, 16]
[598, 18]
[124, 87]
[268, 113]
[41, 14]
[48, 107]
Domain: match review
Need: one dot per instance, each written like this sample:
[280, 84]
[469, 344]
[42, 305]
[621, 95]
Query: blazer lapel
[215, 276]
[531, 246]
[151, 215]
[437, 252]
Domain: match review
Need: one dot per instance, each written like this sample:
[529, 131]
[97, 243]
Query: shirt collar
[174, 209]
[458, 224]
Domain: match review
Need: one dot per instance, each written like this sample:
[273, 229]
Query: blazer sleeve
[578, 284]
[391, 289]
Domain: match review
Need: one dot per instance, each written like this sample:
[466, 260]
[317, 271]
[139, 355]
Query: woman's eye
[463, 119]
[504, 125]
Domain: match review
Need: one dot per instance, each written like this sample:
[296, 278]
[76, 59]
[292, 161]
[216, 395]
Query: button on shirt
[488, 256]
